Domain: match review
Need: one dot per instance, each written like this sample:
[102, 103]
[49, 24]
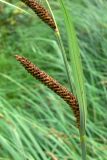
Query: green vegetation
[35, 124]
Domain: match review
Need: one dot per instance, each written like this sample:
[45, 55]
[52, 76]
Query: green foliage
[34, 122]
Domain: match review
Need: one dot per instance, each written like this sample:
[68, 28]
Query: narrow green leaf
[77, 71]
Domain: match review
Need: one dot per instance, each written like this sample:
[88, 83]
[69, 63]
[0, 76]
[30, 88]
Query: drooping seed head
[41, 12]
[52, 84]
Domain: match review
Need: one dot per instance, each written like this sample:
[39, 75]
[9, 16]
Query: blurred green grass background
[35, 124]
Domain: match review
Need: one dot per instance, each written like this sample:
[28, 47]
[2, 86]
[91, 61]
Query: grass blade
[77, 71]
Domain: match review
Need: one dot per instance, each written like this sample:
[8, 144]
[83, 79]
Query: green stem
[64, 59]
[62, 49]
[83, 146]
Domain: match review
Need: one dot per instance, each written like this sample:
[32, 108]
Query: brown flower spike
[41, 12]
[52, 84]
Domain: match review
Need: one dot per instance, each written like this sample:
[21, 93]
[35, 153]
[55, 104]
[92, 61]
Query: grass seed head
[52, 84]
[41, 12]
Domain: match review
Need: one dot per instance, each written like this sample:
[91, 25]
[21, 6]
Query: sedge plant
[76, 65]
[34, 122]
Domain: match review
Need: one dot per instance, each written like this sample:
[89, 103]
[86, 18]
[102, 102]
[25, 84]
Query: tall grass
[77, 73]
[34, 122]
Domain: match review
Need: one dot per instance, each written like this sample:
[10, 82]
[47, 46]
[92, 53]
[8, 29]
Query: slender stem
[83, 146]
[64, 58]
[62, 49]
